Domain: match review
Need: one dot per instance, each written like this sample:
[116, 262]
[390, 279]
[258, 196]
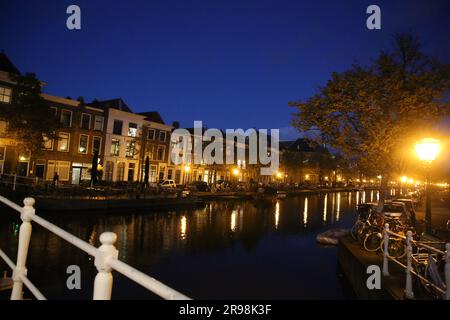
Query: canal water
[223, 250]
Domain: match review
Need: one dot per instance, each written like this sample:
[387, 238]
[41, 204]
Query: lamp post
[427, 150]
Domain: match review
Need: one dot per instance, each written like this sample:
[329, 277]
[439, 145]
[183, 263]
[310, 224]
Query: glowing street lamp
[427, 150]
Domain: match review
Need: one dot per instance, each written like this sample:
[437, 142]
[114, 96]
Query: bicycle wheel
[396, 248]
[372, 241]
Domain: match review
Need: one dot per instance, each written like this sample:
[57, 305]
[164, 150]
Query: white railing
[14, 180]
[409, 293]
[106, 259]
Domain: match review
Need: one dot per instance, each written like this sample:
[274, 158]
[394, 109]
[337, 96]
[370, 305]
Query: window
[132, 129]
[98, 123]
[131, 149]
[115, 147]
[117, 129]
[109, 169]
[2, 153]
[120, 171]
[151, 134]
[5, 94]
[177, 176]
[85, 121]
[83, 144]
[54, 110]
[96, 145]
[169, 174]
[62, 168]
[63, 141]
[160, 153]
[162, 136]
[161, 173]
[47, 142]
[152, 177]
[66, 118]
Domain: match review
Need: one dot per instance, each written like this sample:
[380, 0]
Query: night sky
[229, 63]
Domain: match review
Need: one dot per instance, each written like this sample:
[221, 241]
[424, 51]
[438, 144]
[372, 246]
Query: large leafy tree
[370, 113]
[29, 117]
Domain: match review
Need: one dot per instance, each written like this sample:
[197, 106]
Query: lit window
[131, 149]
[115, 147]
[132, 129]
[5, 94]
[63, 141]
[98, 123]
[47, 142]
[83, 145]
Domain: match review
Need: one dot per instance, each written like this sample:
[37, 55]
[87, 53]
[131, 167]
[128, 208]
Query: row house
[239, 171]
[304, 162]
[80, 135]
[129, 139]
[9, 159]
[155, 145]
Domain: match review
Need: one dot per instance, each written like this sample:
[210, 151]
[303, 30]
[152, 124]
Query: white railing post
[22, 252]
[386, 250]
[104, 279]
[447, 271]
[14, 182]
[408, 289]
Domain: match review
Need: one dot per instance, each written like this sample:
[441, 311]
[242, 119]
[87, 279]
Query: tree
[370, 113]
[29, 117]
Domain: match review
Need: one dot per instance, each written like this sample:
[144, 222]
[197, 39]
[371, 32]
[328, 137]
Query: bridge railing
[106, 259]
[409, 272]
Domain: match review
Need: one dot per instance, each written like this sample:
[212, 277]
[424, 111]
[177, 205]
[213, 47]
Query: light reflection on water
[225, 249]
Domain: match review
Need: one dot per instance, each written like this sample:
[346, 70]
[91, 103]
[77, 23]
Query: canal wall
[354, 261]
[62, 204]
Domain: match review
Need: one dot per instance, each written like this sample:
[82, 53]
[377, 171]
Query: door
[131, 167]
[40, 170]
[76, 175]
[22, 169]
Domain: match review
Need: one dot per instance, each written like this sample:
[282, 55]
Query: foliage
[29, 117]
[371, 112]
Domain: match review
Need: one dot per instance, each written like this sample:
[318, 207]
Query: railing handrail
[105, 258]
[418, 243]
[409, 256]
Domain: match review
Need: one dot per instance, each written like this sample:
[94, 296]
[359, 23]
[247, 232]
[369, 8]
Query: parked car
[201, 186]
[411, 212]
[168, 184]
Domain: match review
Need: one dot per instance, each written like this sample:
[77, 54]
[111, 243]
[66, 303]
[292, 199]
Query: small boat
[281, 195]
[331, 236]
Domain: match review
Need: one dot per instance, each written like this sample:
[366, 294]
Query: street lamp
[427, 149]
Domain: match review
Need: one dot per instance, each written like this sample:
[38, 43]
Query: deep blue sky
[229, 63]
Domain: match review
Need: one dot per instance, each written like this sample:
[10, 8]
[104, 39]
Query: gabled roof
[302, 145]
[153, 116]
[7, 65]
[117, 104]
